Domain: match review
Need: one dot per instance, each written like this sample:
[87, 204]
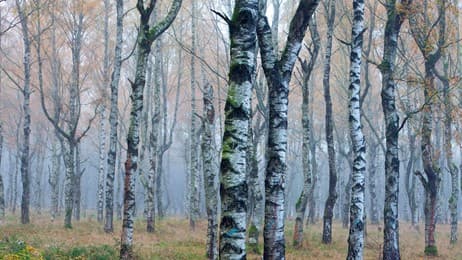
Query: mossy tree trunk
[233, 167]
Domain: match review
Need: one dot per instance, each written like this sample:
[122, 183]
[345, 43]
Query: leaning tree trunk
[210, 176]
[113, 121]
[357, 204]
[26, 91]
[146, 36]
[278, 73]
[307, 68]
[332, 196]
[391, 225]
[233, 169]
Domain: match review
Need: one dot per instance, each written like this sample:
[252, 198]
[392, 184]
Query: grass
[173, 240]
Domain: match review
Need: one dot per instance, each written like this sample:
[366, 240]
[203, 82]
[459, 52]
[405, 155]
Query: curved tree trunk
[421, 27]
[390, 211]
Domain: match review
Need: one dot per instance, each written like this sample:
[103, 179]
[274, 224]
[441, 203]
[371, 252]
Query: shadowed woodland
[219, 129]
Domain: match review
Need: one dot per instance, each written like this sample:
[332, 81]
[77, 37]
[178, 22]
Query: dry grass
[174, 240]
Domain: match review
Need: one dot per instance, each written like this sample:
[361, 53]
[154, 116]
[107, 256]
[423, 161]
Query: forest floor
[173, 240]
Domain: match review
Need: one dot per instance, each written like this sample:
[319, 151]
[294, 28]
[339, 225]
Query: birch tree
[332, 197]
[307, 69]
[278, 73]
[421, 29]
[233, 182]
[113, 120]
[395, 18]
[26, 92]
[210, 180]
[147, 34]
[357, 203]
[102, 117]
[194, 162]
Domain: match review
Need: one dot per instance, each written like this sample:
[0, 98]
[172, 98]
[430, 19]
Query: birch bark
[431, 178]
[113, 120]
[146, 36]
[233, 182]
[278, 73]
[210, 175]
[395, 18]
[26, 92]
[357, 203]
[332, 197]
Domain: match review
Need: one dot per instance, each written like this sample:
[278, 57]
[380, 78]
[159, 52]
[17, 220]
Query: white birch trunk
[113, 120]
[53, 180]
[210, 173]
[26, 91]
[357, 204]
[233, 167]
[278, 73]
[102, 163]
[146, 36]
